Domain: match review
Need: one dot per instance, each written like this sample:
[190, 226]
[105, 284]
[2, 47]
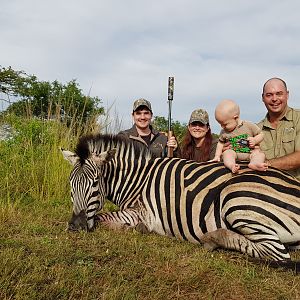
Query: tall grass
[31, 164]
[32, 168]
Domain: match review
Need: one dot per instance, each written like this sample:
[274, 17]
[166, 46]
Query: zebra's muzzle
[78, 222]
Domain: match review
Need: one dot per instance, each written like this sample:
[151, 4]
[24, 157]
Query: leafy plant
[161, 124]
[27, 96]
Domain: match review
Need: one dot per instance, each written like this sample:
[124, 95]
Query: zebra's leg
[142, 228]
[294, 246]
[220, 238]
[122, 220]
[269, 247]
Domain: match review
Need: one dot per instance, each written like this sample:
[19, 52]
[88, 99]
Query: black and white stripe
[257, 213]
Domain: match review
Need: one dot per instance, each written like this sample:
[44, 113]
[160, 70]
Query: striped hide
[257, 213]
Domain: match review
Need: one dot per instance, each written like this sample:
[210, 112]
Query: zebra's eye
[95, 183]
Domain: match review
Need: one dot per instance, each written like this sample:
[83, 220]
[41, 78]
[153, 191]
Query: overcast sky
[121, 50]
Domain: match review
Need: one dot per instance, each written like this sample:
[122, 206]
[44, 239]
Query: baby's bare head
[226, 109]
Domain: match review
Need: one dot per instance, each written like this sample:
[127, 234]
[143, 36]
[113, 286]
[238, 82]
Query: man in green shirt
[281, 128]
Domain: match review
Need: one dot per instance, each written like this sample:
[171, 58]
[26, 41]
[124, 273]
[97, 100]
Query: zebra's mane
[97, 143]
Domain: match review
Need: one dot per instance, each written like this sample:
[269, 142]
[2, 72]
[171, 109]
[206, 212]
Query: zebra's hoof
[210, 246]
[142, 228]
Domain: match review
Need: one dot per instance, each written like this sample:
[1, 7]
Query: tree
[12, 83]
[45, 99]
[161, 124]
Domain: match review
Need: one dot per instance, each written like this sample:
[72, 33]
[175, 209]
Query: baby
[243, 136]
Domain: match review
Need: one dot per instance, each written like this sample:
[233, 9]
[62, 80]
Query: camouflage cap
[199, 115]
[141, 102]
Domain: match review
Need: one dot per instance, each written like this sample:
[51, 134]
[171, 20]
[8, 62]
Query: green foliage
[47, 99]
[13, 83]
[161, 124]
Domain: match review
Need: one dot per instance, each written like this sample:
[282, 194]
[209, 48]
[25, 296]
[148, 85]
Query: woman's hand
[172, 143]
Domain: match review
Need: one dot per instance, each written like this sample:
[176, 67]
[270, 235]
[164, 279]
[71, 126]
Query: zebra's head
[87, 187]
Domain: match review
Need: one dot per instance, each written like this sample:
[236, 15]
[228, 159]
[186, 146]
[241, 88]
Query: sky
[122, 50]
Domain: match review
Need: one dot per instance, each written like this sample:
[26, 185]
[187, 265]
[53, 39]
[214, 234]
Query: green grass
[41, 260]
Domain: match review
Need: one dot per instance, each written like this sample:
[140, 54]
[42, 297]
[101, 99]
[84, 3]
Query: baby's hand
[227, 146]
[251, 141]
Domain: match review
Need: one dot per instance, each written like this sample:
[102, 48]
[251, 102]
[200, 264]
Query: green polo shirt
[283, 140]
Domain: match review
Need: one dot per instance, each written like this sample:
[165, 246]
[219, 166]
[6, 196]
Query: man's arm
[287, 162]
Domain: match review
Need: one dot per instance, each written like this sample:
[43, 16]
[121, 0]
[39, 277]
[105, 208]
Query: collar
[134, 132]
[241, 124]
[287, 116]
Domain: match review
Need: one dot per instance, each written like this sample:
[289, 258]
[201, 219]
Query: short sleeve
[254, 128]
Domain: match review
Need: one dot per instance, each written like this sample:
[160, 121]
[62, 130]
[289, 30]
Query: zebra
[257, 213]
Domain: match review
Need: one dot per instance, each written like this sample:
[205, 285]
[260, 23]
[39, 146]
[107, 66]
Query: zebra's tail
[286, 265]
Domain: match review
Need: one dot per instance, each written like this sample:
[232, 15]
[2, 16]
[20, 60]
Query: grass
[41, 260]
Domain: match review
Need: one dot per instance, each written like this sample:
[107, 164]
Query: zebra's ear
[71, 157]
[103, 157]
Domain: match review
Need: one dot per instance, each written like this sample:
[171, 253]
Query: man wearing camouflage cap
[142, 133]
